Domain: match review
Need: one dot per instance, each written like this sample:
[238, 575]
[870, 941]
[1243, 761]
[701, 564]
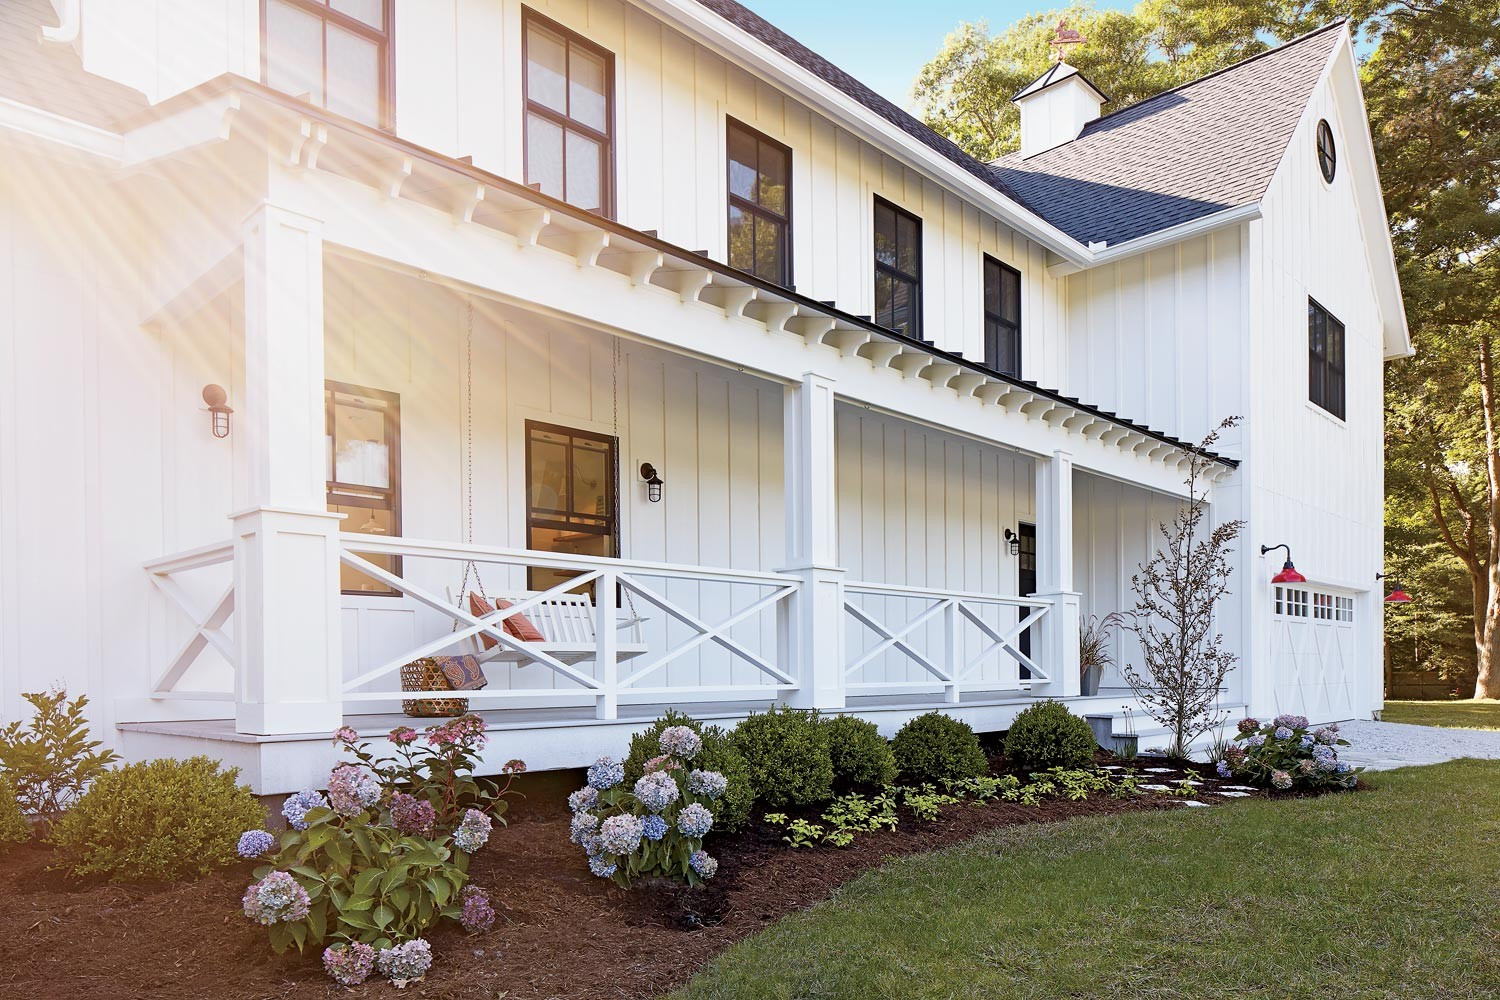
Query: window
[1323, 607]
[363, 468]
[571, 508]
[1328, 158]
[1002, 317]
[1343, 610]
[569, 87]
[1325, 359]
[760, 205]
[898, 269]
[1291, 602]
[333, 53]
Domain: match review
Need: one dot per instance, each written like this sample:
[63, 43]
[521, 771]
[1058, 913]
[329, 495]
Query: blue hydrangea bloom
[1343, 768]
[1307, 739]
[704, 864]
[583, 800]
[1322, 753]
[1223, 768]
[1283, 733]
[591, 844]
[604, 869]
[583, 824]
[254, 843]
[605, 773]
[694, 820]
[657, 791]
[297, 807]
[654, 828]
[1257, 740]
[621, 834]
[710, 783]
[474, 832]
[406, 962]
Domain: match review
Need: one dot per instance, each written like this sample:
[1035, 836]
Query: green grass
[1389, 893]
[1468, 714]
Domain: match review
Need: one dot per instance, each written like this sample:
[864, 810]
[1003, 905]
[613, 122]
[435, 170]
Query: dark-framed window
[362, 461]
[898, 269]
[572, 496]
[334, 53]
[1325, 359]
[569, 85]
[1328, 156]
[760, 204]
[1002, 317]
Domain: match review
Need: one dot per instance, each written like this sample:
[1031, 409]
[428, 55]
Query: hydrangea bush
[719, 755]
[1285, 754]
[655, 826]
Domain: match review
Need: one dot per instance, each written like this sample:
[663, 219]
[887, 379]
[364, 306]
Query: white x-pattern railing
[208, 620]
[955, 623]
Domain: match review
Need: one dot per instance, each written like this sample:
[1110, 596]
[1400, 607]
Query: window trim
[1327, 170]
[393, 462]
[607, 182]
[1313, 361]
[988, 316]
[386, 40]
[615, 533]
[895, 274]
[733, 201]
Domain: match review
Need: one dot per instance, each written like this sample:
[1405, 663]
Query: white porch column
[1058, 646]
[812, 623]
[286, 566]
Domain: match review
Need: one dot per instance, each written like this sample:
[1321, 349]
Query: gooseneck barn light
[1288, 572]
[1398, 594]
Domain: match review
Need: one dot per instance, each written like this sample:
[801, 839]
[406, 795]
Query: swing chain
[470, 566]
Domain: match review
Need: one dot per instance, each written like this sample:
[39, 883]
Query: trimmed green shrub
[786, 751]
[732, 811]
[861, 756]
[937, 747]
[1048, 735]
[164, 819]
[14, 829]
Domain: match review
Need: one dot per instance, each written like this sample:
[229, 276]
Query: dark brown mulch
[561, 933]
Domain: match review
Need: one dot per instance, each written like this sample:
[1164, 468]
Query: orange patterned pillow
[516, 625]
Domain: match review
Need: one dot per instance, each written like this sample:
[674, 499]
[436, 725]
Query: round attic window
[1327, 155]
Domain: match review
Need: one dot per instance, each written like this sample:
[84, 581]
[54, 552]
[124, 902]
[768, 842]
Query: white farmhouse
[327, 326]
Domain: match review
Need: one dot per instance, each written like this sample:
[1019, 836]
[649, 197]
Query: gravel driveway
[1381, 746]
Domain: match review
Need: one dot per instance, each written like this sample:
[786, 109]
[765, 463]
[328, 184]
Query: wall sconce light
[1398, 594]
[1288, 572]
[215, 396]
[653, 482]
[1013, 542]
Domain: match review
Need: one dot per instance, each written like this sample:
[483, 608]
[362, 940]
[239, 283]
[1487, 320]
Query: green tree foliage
[50, 758]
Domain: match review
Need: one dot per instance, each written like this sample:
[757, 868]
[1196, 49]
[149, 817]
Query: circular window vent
[1327, 154]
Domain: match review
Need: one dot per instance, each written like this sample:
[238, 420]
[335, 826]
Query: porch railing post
[606, 636]
[1059, 627]
[812, 627]
[286, 543]
[953, 649]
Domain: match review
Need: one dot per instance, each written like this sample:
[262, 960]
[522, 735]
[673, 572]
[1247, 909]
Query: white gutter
[34, 123]
[1223, 219]
[70, 13]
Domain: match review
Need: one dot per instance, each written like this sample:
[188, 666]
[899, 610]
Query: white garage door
[1312, 652]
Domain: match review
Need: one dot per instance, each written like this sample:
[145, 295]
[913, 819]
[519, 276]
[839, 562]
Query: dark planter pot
[1091, 675]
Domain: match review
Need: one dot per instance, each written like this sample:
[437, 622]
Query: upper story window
[1002, 317]
[898, 269]
[1328, 157]
[363, 469]
[760, 205]
[333, 53]
[570, 116]
[1325, 359]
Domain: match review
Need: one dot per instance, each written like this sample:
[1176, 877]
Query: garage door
[1312, 652]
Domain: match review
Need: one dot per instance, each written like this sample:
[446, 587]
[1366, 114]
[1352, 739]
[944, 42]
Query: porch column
[1058, 646]
[286, 547]
[812, 621]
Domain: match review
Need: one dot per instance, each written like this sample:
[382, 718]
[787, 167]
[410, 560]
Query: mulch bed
[561, 933]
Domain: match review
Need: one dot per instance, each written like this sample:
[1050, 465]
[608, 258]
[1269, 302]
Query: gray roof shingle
[50, 76]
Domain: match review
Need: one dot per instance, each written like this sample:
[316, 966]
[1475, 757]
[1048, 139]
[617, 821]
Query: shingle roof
[1203, 147]
[50, 76]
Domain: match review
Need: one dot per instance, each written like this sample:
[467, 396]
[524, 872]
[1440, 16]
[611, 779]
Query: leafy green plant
[801, 833]
[934, 747]
[1047, 735]
[163, 819]
[14, 827]
[718, 754]
[926, 803]
[787, 753]
[1285, 753]
[49, 757]
[861, 757]
[438, 768]
[1181, 789]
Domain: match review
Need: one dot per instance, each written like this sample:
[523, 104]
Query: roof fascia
[1222, 219]
[35, 125]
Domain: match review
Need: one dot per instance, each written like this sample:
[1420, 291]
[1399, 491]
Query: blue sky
[885, 42]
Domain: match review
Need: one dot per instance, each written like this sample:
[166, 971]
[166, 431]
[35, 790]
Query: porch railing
[209, 620]
[959, 639]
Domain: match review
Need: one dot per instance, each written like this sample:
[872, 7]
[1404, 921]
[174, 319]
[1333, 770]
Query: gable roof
[1206, 146]
[50, 76]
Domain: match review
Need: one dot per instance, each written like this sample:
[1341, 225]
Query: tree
[1176, 591]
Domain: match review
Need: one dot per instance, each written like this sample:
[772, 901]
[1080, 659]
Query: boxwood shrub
[937, 747]
[861, 756]
[732, 811]
[165, 819]
[1048, 735]
[786, 751]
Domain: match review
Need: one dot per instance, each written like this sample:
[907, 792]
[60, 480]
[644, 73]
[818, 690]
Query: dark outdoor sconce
[1288, 572]
[653, 482]
[215, 396]
[1013, 542]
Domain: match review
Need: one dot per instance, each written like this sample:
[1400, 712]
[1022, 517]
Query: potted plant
[1093, 650]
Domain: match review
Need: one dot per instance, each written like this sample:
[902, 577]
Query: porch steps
[1112, 732]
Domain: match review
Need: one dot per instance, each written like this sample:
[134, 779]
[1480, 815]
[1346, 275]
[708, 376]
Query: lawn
[1453, 714]
[1387, 893]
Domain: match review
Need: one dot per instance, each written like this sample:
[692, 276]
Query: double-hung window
[1002, 317]
[1325, 359]
[569, 86]
[760, 205]
[333, 53]
[572, 508]
[898, 269]
[363, 469]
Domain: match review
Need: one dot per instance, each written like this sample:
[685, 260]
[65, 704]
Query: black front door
[1026, 584]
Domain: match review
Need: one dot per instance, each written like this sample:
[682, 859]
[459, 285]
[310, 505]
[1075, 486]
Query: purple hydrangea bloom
[680, 741]
[1308, 740]
[654, 828]
[582, 825]
[694, 820]
[1292, 721]
[1325, 734]
[352, 789]
[1322, 752]
[296, 807]
[657, 791]
[407, 962]
[601, 867]
[1258, 739]
[1223, 769]
[349, 964]
[276, 898]
[583, 800]
[621, 834]
[605, 773]
[477, 914]
[254, 843]
[473, 832]
[710, 783]
[1248, 726]
[704, 864]
[1281, 780]
[413, 816]
[1283, 733]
